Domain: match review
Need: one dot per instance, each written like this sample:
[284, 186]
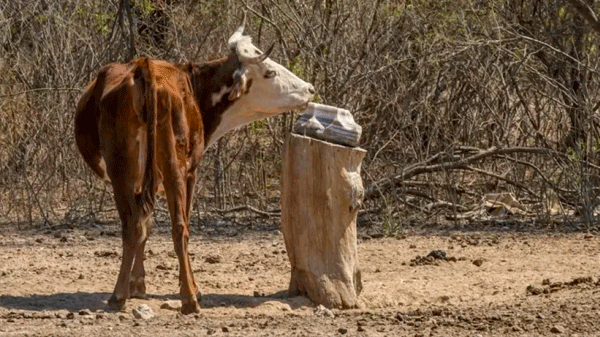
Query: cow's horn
[245, 58]
[232, 42]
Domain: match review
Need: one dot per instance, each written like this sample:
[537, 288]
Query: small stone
[171, 305]
[437, 254]
[533, 290]
[540, 316]
[212, 259]
[478, 262]
[225, 329]
[39, 240]
[342, 331]
[321, 311]
[211, 331]
[85, 312]
[557, 329]
[70, 315]
[64, 239]
[143, 312]
[81, 277]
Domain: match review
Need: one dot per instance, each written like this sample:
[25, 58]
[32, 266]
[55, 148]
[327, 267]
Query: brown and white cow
[143, 127]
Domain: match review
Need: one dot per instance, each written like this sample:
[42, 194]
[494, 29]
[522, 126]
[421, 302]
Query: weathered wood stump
[321, 193]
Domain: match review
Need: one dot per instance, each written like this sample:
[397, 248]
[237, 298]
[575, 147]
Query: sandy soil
[55, 282]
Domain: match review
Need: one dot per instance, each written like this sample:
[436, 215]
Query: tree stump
[321, 193]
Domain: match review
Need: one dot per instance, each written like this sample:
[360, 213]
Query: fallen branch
[422, 167]
[266, 214]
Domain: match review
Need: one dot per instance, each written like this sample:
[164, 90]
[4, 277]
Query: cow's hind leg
[137, 282]
[176, 191]
[134, 235]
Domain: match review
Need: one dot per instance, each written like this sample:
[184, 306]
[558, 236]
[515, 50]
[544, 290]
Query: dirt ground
[497, 281]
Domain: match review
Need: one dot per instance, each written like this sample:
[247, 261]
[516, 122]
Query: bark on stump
[321, 192]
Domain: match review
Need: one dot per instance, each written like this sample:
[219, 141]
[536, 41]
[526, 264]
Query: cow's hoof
[116, 304]
[137, 290]
[190, 307]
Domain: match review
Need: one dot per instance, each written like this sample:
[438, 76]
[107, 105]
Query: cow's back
[109, 115]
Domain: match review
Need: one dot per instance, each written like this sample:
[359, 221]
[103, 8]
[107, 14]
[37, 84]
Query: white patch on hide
[217, 97]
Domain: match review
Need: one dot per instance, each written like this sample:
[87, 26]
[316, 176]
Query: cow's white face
[262, 88]
[272, 89]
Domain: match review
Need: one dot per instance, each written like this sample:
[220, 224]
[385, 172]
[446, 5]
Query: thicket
[463, 103]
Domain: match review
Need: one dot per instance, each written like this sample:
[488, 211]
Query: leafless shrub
[457, 99]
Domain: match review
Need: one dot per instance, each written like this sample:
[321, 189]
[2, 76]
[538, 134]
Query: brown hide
[139, 126]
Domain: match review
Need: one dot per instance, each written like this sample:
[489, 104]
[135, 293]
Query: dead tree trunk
[321, 193]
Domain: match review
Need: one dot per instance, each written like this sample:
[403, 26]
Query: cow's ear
[239, 84]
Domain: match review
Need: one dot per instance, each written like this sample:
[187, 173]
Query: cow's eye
[270, 74]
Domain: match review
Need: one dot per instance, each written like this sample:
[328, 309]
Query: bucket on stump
[321, 193]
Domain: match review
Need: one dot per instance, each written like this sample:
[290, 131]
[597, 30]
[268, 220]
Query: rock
[212, 259]
[321, 311]
[533, 290]
[85, 312]
[478, 262]
[437, 254]
[328, 123]
[342, 331]
[225, 329]
[211, 331]
[70, 315]
[171, 305]
[143, 312]
[557, 329]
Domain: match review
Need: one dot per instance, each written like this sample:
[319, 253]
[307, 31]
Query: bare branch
[587, 13]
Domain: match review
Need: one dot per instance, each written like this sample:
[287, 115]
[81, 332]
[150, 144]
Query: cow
[143, 127]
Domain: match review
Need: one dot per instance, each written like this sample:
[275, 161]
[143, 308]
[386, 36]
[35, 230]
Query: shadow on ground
[98, 301]
[66, 301]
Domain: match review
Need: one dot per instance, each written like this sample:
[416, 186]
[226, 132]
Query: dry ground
[55, 282]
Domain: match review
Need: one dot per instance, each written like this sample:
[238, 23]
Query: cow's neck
[211, 83]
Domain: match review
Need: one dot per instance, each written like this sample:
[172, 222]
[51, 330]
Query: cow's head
[262, 85]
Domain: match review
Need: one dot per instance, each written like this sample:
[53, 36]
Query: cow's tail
[147, 197]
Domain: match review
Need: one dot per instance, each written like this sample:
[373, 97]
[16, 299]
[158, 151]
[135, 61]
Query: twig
[499, 177]
[266, 214]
